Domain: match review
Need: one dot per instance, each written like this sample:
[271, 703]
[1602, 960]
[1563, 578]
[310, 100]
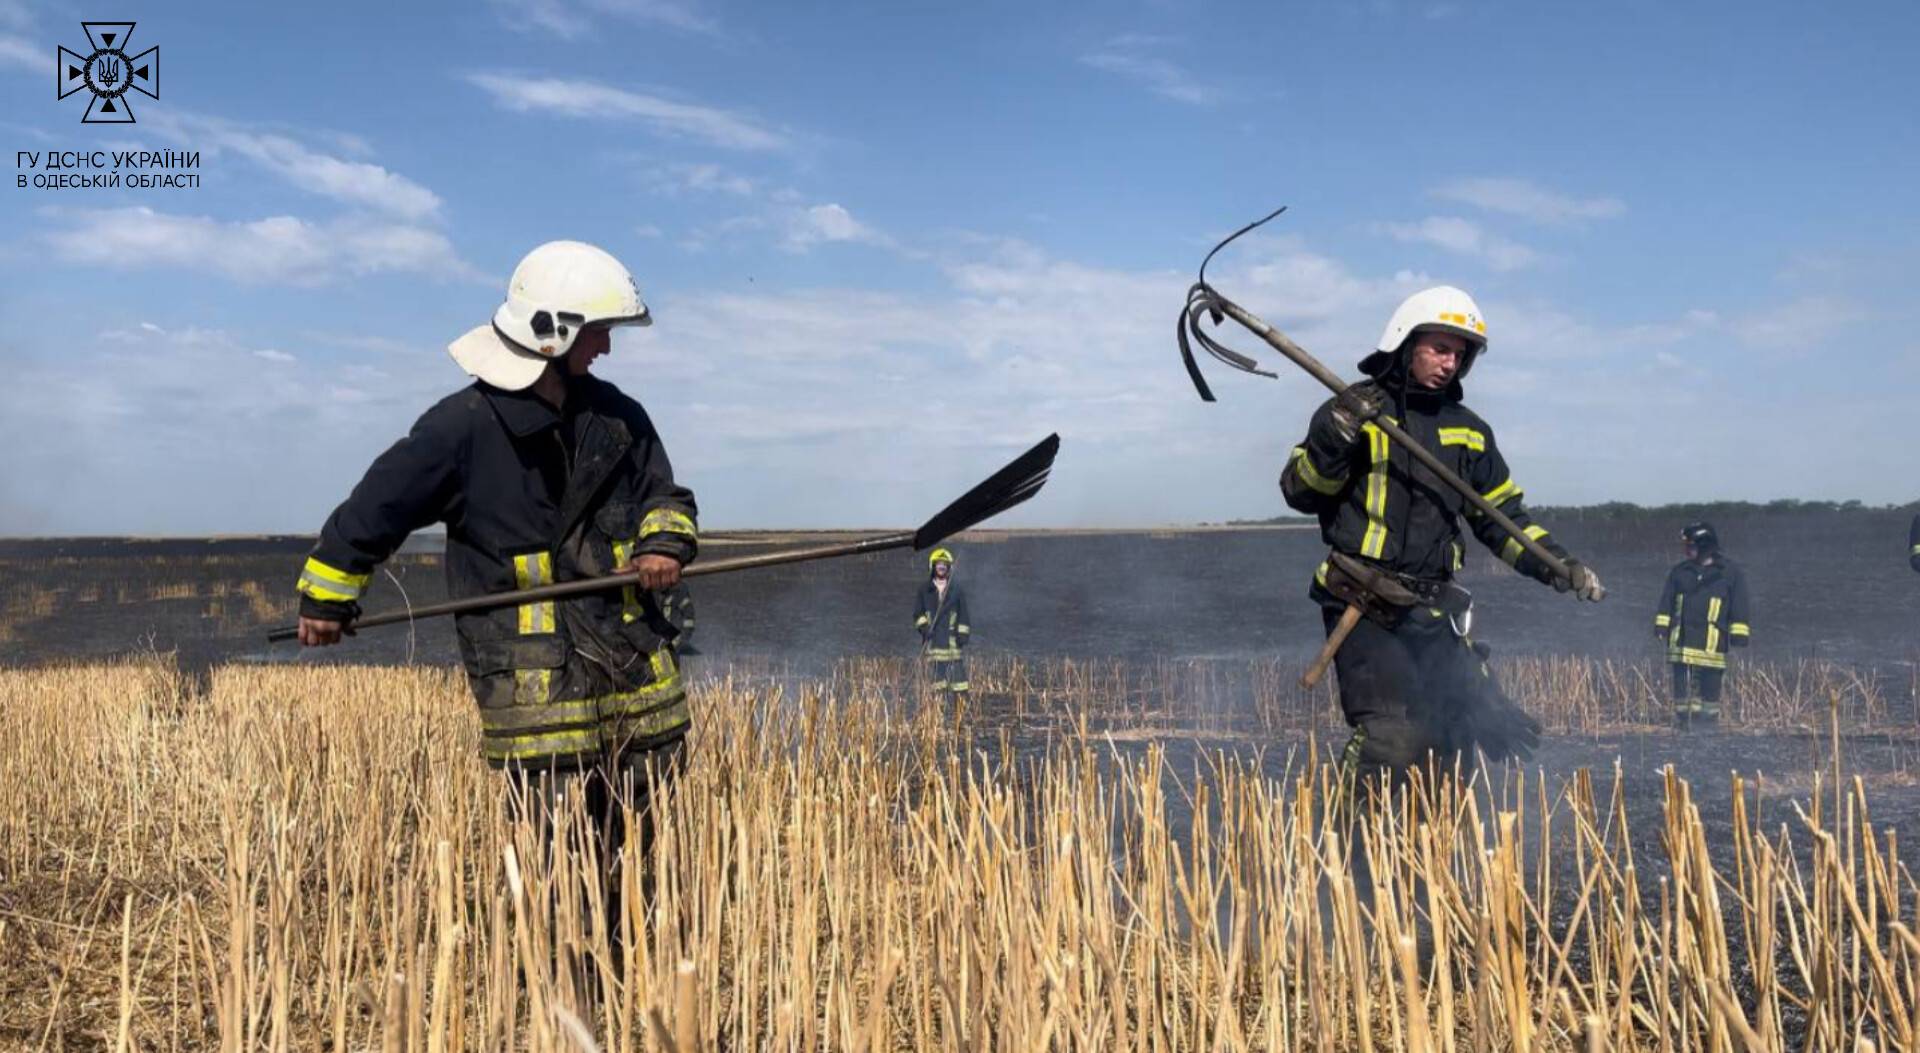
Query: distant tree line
[1626, 511]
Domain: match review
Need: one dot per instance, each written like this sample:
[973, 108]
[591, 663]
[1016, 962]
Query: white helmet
[1442, 307]
[558, 289]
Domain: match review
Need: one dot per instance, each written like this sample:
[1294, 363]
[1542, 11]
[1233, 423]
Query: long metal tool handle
[1299, 356]
[564, 589]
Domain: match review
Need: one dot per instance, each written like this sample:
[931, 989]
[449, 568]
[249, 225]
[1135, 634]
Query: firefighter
[940, 616]
[1703, 611]
[541, 473]
[1913, 544]
[1413, 685]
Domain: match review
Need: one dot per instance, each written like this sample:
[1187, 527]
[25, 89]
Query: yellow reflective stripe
[1697, 656]
[1373, 544]
[500, 720]
[1512, 550]
[1661, 621]
[1916, 550]
[1467, 437]
[1504, 492]
[540, 747]
[1713, 624]
[1459, 555]
[1739, 629]
[922, 620]
[964, 629]
[533, 687]
[667, 521]
[531, 570]
[943, 654]
[1303, 466]
[1320, 574]
[629, 599]
[325, 582]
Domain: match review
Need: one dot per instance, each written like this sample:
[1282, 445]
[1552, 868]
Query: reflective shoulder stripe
[323, 581]
[1467, 437]
[1303, 466]
[667, 521]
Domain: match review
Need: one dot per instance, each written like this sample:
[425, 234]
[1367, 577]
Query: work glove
[1353, 407]
[1582, 582]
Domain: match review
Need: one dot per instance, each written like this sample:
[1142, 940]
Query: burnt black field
[1827, 585]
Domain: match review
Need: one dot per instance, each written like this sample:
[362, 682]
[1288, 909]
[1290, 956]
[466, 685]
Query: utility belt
[1386, 596]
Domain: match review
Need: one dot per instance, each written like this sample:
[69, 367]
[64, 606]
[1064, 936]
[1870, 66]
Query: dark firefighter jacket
[530, 496]
[1376, 502]
[943, 624]
[1703, 610]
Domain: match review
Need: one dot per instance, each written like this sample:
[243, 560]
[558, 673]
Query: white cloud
[1467, 238]
[579, 98]
[278, 250]
[699, 179]
[1132, 56]
[352, 182]
[829, 223]
[1809, 321]
[188, 430]
[574, 20]
[19, 53]
[1519, 197]
[648, 231]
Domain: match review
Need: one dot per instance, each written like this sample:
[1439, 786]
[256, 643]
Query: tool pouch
[1381, 596]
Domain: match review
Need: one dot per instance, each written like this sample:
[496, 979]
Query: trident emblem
[108, 72]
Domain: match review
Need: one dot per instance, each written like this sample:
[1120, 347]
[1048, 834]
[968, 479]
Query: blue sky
[888, 245]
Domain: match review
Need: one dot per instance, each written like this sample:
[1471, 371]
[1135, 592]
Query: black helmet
[1701, 536]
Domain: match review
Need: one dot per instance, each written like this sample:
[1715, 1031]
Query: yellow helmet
[939, 555]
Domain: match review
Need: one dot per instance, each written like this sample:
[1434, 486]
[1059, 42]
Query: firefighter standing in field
[1913, 544]
[1703, 611]
[1412, 684]
[541, 473]
[940, 616]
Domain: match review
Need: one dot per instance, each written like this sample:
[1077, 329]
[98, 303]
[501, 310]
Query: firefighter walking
[940, 616]
[1413, 684]
[541, 473]
[1704, 610]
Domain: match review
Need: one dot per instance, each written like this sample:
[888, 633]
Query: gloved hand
[1739, 641]
[1584, 583]
[1353, 407]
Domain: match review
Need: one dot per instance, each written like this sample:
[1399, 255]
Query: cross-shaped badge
[108, 73]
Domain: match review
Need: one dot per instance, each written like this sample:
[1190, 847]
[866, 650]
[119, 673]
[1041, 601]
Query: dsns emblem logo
[108, 72]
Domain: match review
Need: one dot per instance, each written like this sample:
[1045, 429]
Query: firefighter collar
[523, 412]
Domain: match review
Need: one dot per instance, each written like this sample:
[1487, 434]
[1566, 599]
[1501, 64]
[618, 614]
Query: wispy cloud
[699, 179]
[571, 20]
[1132, 56]
[278, 250]
[1809, 321]
[1519, 197]
[1467, 238]
[19, 53]
[358, 183]
[580, 98]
